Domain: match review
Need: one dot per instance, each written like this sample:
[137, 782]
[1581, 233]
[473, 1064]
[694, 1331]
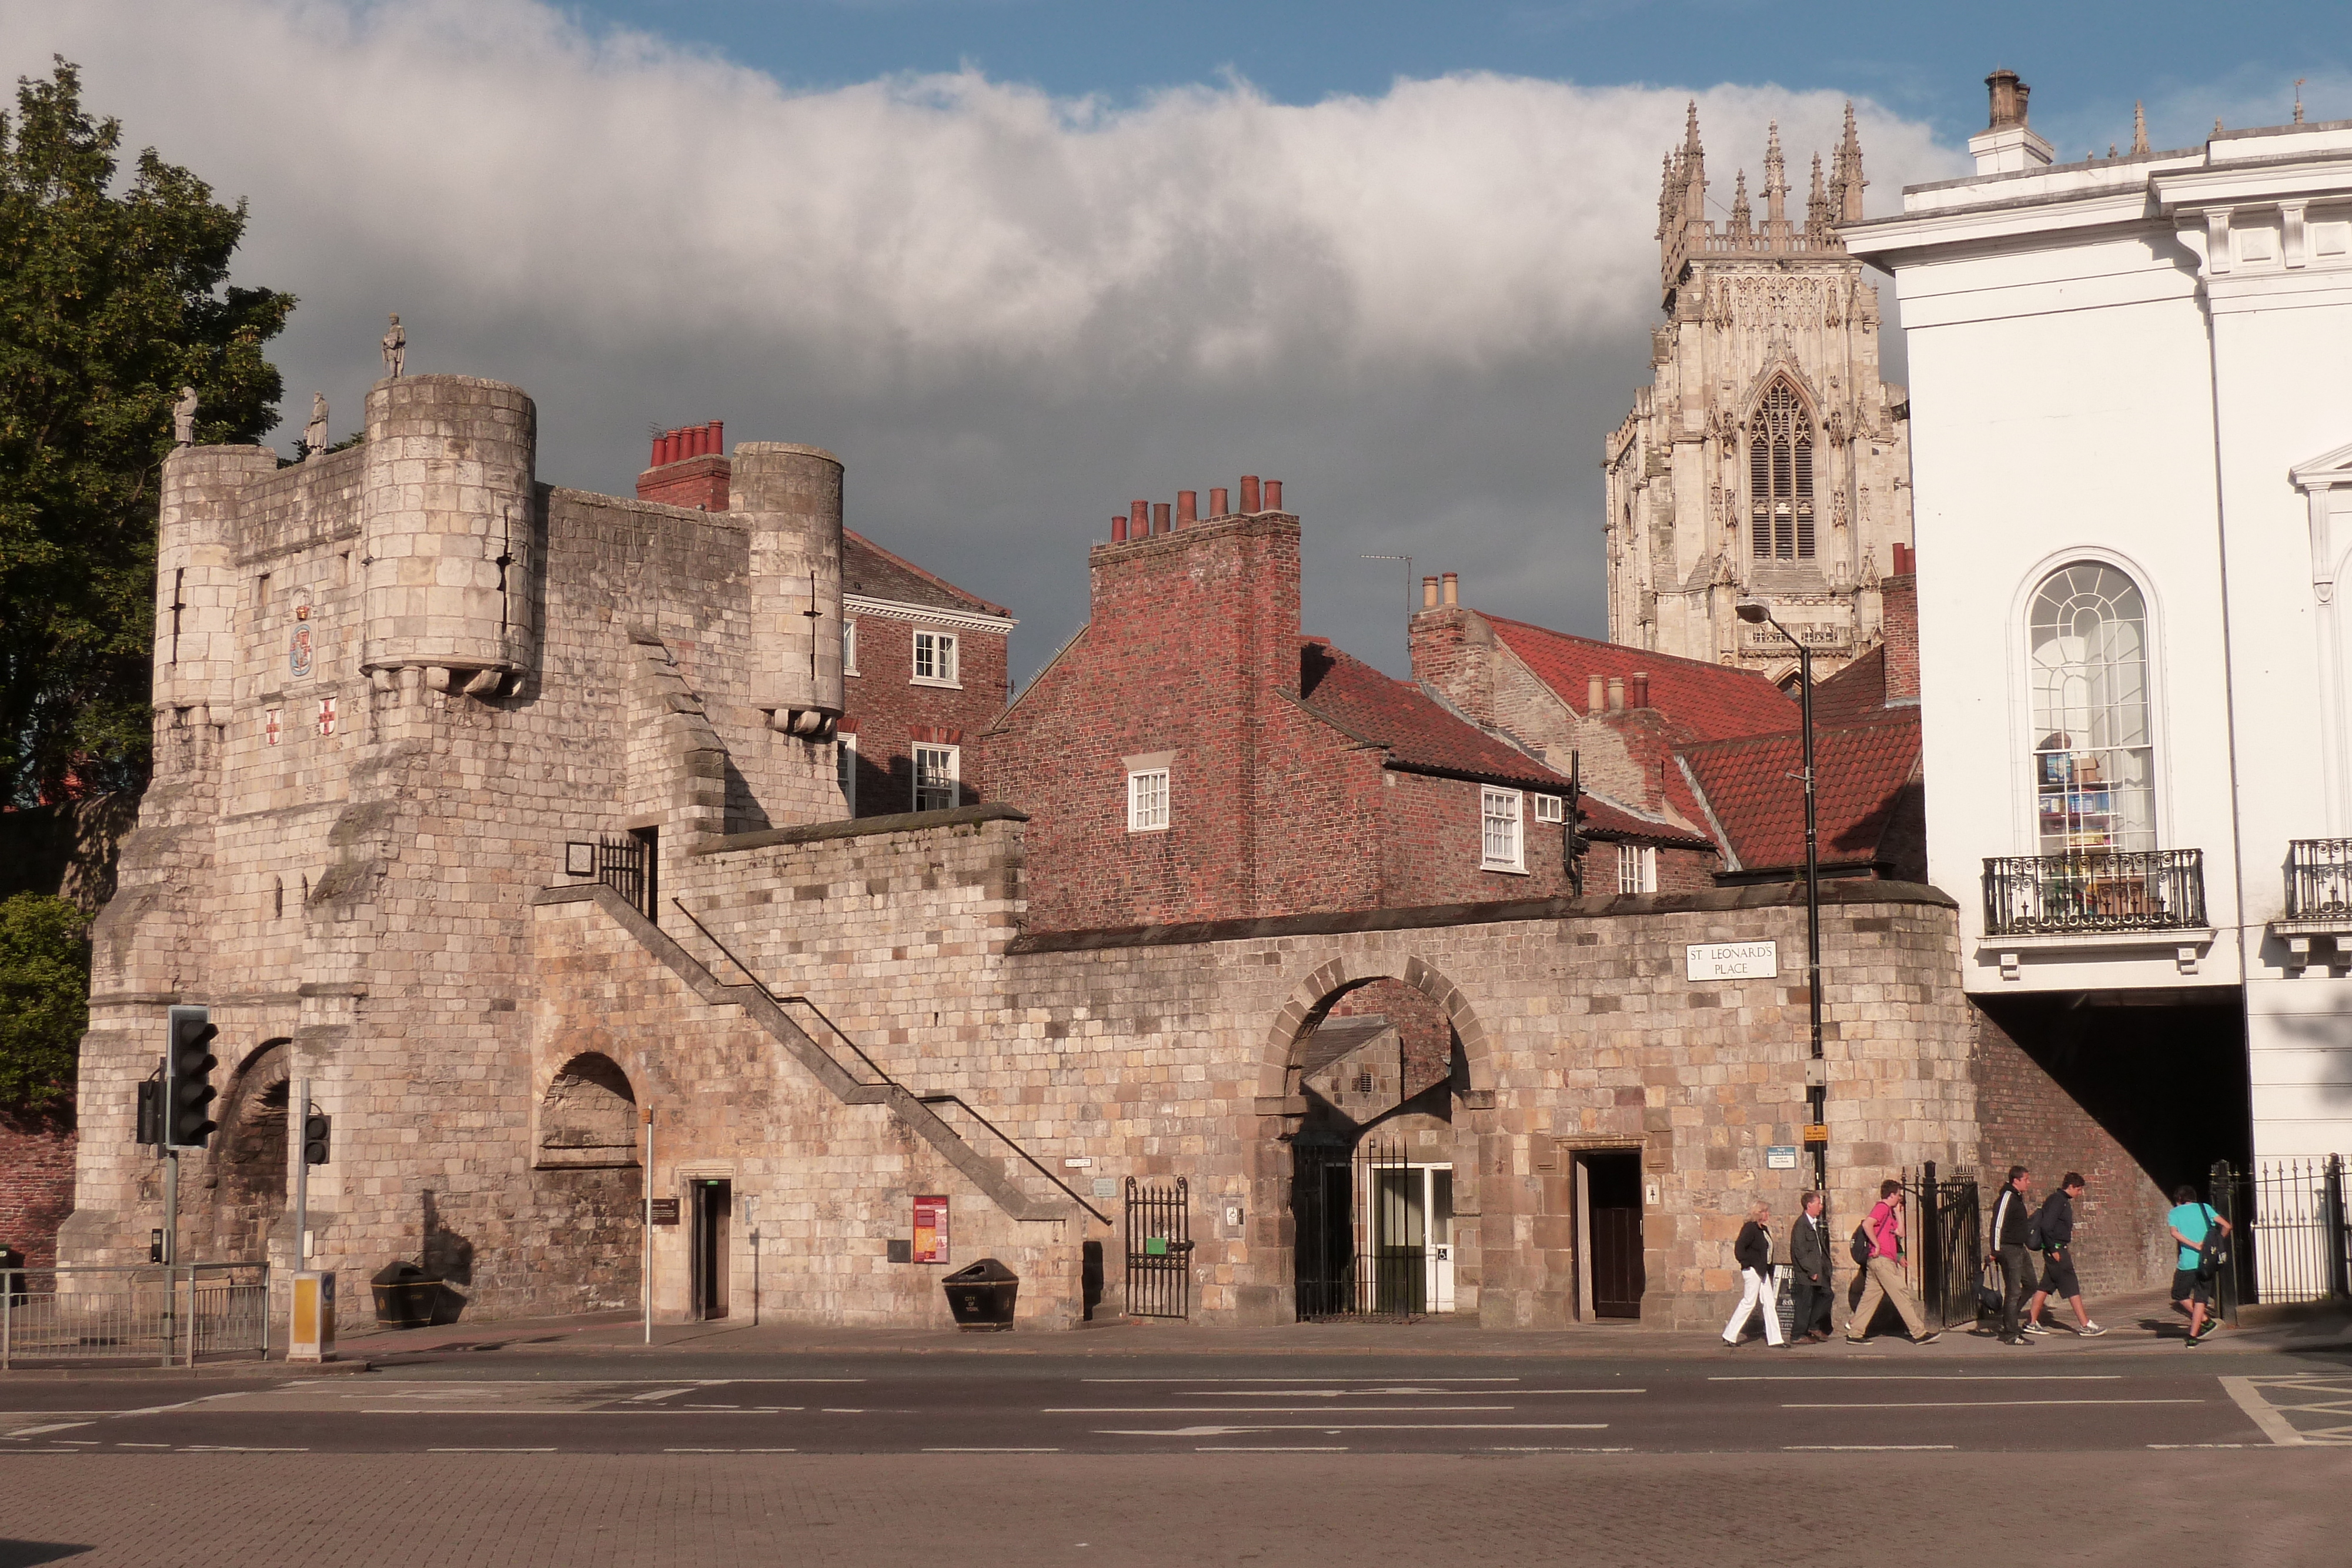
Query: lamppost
[1755, 612]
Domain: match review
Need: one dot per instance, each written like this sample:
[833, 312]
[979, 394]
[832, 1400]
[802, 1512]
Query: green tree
[110, 300]
[44, 999]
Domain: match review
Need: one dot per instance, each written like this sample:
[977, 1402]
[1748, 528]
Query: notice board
[931, 1230]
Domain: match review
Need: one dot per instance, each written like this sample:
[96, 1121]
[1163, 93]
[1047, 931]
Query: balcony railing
[2093, 892]
[2319, 879]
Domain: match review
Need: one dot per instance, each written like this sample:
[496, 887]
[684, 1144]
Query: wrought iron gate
[1158, 1250]
[1950, 1238]
[2293, 1238]
[1360, 1238]
[626, 865]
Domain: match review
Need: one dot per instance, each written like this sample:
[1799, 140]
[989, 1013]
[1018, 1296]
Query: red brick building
[1690, 770]
[1189, 756]
[924, 662]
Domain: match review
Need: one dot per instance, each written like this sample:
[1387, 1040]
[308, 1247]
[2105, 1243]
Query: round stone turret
[789, 497]
[195, 576]
[446, 517]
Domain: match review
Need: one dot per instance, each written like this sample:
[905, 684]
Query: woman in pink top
[1884, 1282]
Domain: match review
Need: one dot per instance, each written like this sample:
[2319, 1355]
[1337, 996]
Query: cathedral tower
[1765, 456]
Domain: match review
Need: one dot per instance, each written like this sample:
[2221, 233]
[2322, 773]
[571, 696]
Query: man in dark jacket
[2012, 1213]
[1809, 1254]
[2057, 1222]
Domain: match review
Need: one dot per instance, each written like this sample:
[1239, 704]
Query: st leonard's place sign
[1731, 960]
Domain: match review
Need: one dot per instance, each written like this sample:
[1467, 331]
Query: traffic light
[188, 1066]
[150, 1108]
[316, 1126]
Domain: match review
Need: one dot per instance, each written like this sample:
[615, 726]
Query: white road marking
[1561, 1451]
[1864, 1447]
[53, 1426]
[651, 1395]
[2276, 1427]
[489, 1450]
[1258, 1410]
[835, 1410]
[532, 1415]
[992, 1450]
[235, 1448]
[1983, 1404]
[1264, 1450]
[1221, 1380]
[1922, 1377]
[2197, 1444]
[1368, 1426]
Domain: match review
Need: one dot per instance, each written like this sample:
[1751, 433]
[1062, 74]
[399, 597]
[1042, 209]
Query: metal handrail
[876, 1067]
[1016, 1148]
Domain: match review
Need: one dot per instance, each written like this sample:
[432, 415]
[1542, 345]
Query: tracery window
[2093, 754]
[1780, 476]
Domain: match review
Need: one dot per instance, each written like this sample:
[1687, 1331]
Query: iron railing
[1949, 1232]
[170, 1314]
[2093, 891]
[2293, 1242]
[2319, 879]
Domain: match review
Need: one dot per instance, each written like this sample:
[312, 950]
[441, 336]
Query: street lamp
[1756, 613]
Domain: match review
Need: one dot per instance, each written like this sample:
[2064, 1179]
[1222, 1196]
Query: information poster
[931, 1230]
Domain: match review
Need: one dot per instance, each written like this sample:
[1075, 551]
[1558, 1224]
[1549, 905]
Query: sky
[1018, 262]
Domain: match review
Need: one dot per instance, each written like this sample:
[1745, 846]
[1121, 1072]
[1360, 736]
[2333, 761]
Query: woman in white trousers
[1753, 1253]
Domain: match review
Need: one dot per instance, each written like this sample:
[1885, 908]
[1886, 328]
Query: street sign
[1731, 960]
[1817, 1133]
[1781, 1158]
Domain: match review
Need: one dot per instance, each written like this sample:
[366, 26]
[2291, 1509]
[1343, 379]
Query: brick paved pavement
[500, 1510]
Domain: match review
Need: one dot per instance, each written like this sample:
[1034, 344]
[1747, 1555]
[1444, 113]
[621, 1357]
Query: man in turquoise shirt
[2192, 1221]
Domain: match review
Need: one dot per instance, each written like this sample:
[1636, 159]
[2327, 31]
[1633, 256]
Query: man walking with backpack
[2012, 1243]
[2198, 1228]
[1878, 1247]
[2056, 1225]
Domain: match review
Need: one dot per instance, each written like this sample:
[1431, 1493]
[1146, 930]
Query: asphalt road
[1752, 1401]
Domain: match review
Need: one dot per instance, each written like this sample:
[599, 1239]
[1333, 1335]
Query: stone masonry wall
[1167, 1053]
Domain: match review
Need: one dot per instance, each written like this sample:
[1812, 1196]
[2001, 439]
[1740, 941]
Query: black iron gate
[2291, 1230]
[1949, 1232]
[1158, 1250]
[626, 865]
[1360, 1241]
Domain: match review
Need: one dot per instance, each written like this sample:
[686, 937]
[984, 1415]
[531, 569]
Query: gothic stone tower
[1766, 456]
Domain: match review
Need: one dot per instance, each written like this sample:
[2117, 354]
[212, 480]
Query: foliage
[44, 999]
[110, 300]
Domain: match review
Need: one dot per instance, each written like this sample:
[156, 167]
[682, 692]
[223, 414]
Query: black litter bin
[981, 1296]
[405, 1295]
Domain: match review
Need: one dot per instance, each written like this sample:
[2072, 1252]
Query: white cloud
[1009, 312]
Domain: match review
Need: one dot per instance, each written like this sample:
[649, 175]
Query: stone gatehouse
[409, 699]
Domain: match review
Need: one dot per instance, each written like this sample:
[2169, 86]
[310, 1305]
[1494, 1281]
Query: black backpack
[2214, 1256]
[1861, 1246]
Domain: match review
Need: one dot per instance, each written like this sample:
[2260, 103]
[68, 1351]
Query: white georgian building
[2131, 435]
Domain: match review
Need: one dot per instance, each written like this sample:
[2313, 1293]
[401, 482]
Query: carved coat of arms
[298, 647]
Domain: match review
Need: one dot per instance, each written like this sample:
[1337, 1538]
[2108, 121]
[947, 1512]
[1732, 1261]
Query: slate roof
[1419, 733]
[1605, 819]
[1336, 1036]
[868, 568]
[1749, 788]
[1703, 701]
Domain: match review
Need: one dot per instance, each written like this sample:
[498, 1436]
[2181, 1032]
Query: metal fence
[1158, 1249]
[172, 1316]
[2119, 890]
[1947, 1231]
[2291, 1232]
[2318, 878]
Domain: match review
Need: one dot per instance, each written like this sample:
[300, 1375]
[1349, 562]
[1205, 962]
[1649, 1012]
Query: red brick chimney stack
[1249, 495]
[688, 467]
[1899, 610]
[1217, 507]
[1188, 508]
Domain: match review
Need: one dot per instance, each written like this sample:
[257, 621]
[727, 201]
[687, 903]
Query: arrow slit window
[1780, 476]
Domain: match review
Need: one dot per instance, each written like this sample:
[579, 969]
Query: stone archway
[249, 1152]
[588, 1117]
[1407, 1041]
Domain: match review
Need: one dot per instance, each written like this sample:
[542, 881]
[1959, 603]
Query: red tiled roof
[1706, 702]
[868, 568]
[1419, 733]
[1751, 788]
[1857, 695]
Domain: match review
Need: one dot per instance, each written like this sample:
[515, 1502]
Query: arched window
[1780, 476]
[2093, 755]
